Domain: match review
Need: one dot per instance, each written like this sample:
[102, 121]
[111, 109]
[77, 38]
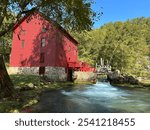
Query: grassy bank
[144, 84]
[27, 91]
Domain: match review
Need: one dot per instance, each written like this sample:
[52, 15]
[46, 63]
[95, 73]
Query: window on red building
[43, 42]
[42, 57]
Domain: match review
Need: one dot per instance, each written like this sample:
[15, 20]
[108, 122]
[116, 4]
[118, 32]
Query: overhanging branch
[11, 25]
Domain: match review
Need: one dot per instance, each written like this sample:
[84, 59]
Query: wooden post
[6, 86]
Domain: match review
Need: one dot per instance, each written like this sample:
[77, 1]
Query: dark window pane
[42, 57]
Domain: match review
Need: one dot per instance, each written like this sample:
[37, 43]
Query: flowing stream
[97, 98]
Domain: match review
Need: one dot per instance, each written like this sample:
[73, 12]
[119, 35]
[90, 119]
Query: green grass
[24, 98]
[9, 106]
[18, 103]
[22, 80]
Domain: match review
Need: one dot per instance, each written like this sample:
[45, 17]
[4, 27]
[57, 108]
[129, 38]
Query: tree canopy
[71, 14]
[124, 45]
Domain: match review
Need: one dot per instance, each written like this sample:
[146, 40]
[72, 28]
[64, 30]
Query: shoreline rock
[117, 78]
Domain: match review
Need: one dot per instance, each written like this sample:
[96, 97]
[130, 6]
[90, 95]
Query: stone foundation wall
[56, 73]
[52, 73]
[80, 76]
[23, 70]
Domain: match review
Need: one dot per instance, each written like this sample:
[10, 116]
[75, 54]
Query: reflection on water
[101, 97]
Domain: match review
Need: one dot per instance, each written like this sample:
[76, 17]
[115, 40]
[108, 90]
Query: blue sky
[121, 10]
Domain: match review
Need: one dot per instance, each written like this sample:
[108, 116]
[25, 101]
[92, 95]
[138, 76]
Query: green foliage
[71, 14]
[5, 40]
[5, 46]
[125, 45]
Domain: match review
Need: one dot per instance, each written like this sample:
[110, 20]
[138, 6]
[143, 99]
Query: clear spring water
[97, 98]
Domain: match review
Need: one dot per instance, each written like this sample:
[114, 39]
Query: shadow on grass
[9, 106]
[21, 99]
[21, 80]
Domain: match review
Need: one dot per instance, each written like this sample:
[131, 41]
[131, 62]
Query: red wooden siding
[38, 42]
[35, 28]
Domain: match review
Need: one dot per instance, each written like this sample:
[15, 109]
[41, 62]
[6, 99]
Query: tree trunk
[6, 86]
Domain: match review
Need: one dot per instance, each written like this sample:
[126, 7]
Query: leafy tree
[125, 45]
[5, 42]
[71, 14]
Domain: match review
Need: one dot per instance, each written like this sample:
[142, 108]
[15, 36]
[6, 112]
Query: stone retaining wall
[23, 70]
[53, 73]
[56, 73]
[80, 76]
